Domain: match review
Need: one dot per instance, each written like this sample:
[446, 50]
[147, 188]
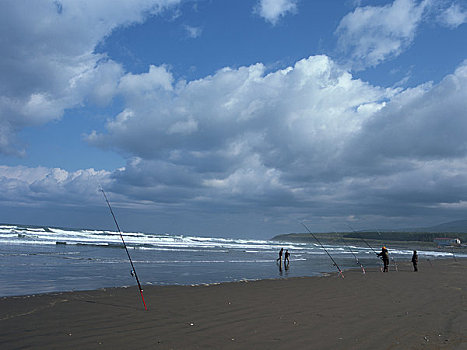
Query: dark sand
[395, 310]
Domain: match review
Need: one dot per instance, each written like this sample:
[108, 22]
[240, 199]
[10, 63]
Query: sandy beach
[395, 310]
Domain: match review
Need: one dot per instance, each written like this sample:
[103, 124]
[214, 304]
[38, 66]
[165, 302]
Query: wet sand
[395, 310]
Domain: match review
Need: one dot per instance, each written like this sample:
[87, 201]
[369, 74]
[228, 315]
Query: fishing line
[360, 236]
[356, 259]
[452, 251]
[317, 240]
[368, 244]
[133, 271]
[392, 258]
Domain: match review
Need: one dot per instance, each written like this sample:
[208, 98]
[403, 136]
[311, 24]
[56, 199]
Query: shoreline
[144, 286]
[395, 310]
[323, 273]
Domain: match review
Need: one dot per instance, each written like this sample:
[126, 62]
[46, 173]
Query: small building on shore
[447, 242]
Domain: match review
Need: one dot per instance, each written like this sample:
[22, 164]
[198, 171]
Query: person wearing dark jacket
[286, 257]
[415, 261]
[385, 256]
[279, 259]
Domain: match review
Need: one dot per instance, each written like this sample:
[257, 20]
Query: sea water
[46, 259]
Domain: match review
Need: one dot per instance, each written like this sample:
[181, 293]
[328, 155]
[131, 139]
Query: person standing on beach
[286, 257]
[415, 261]
[385, 256]
[279, 259]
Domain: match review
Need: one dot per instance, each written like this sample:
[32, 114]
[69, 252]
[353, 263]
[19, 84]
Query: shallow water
[31, 260]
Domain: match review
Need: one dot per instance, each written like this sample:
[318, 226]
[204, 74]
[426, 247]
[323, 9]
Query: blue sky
[233, 118]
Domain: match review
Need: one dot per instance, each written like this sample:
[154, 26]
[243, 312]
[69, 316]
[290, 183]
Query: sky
[233, 118]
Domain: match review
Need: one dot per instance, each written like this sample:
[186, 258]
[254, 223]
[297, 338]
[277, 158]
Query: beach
[395, 310]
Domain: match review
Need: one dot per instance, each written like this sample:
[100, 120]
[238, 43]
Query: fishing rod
[133, 271]
[395, 264]
[360, 236]
[317, 240]
[356, 259]
[452, 251]
[368, 244]
[392, 258]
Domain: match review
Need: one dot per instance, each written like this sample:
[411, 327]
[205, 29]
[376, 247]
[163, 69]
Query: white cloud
[426, 122]
[240, 124]
[43, 186]
[193, 32]
[146, 83]
[183, 127]
[307, 137]
[453, 17]
[372, 34]
[273, 10]
[48, 63]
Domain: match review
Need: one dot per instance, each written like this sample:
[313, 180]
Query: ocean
[46, 259]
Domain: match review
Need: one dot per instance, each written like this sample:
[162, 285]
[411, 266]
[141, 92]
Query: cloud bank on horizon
[247, 149]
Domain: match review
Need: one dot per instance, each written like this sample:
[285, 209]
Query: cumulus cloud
[410, 156]
[453, 16]
[369, 35]
[273, 10]
[425, 122]
[309, 139]
[50, 46]
[44, 186]
[240, 132]
[306, 138]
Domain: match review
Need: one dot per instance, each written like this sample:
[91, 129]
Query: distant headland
[425, 235]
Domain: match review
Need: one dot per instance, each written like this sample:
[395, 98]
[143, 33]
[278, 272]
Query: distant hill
[452, 226]
[453, 229]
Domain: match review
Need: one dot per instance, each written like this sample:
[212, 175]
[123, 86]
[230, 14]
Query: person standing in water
[385, 256]
[286, 257]
[279, 259]
[415, 261]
